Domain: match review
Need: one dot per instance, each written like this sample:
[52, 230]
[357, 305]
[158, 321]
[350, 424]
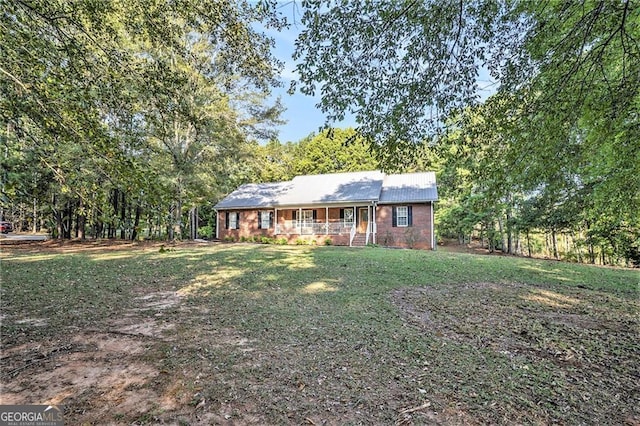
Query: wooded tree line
[554, 149]
[478, 198]
[129, 119]
[124, 115]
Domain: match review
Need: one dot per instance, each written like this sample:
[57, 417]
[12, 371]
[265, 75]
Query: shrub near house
[354, 209]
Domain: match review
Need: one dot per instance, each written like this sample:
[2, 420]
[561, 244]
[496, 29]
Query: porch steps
[359, 240]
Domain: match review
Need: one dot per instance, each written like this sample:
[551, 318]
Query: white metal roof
[409, 187]
[335, 188]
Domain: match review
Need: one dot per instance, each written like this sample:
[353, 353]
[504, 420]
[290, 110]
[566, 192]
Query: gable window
[265, 219]
[402, 216]
[232, 221]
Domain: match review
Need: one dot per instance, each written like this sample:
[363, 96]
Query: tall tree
[102, 86]
[402, 67]
[563, 125]
[332, 151]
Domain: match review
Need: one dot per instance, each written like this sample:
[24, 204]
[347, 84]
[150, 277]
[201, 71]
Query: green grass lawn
[253, 334]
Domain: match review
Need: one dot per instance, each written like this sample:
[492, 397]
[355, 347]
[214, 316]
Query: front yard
[254, 334]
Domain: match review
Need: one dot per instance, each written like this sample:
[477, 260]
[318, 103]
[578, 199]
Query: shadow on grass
[291, 335]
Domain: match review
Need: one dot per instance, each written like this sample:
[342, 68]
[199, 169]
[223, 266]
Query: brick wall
[248, 226]
[416, 236]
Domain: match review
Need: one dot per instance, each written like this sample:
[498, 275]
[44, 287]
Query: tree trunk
[123, 216]
[159, 226]
[528, 243]
[555, 243]
[509, 230]
[81, 220]
[57, 216]
[150, 227]
[21, 219]
[178, 219]
[35, 215]
[491, 238]
[136, 223]
[111, 229]
[195, 223]
[547, 251]
[67, 221]
[592, 254]
[99, 225]
[171, 226]
[501, 231]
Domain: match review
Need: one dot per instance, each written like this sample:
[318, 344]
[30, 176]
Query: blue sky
[302, 115]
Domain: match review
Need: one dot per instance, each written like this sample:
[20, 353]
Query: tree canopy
[121, 116]
[555, 147]
[405, 67]
[125, 106]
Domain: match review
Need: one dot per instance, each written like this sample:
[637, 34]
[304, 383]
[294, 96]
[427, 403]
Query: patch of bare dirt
[474, 247]
[117, 373]
[90, 364]
[154, 325]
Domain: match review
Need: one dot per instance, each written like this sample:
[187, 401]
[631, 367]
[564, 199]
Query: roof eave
[299, 205]
[429, 200]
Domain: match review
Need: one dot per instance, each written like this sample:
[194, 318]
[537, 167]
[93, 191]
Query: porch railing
[352, 234]
[314, 227]
[366, 240]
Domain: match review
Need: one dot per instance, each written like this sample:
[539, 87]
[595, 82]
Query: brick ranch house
[351, 209]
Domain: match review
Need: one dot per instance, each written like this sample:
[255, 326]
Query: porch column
[326, 221]
[355, 217]
[275, 222]
[434, 243]
[373, 223]
[217, 224]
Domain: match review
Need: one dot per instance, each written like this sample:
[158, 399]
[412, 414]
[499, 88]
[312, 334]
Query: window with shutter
[402, 216]
[234, 219]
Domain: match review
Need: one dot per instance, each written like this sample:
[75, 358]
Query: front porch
[357, 223]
